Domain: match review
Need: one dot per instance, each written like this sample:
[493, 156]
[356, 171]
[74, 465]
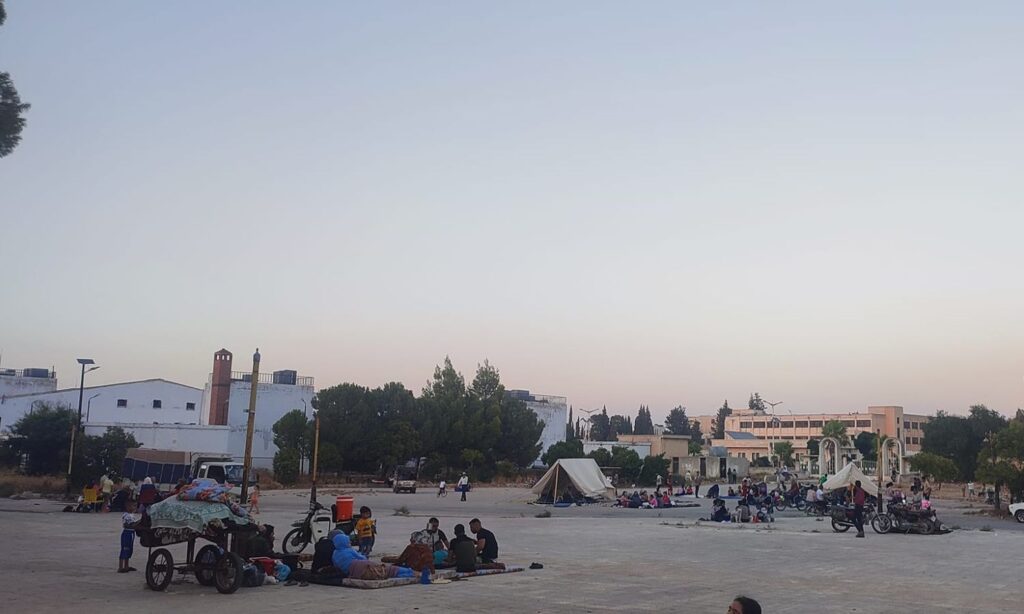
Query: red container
[343, 508]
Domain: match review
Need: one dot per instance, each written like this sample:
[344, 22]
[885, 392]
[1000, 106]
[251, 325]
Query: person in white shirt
[464, 485]
[442, 489]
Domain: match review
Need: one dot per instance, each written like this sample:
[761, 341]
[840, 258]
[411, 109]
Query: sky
[671, 203]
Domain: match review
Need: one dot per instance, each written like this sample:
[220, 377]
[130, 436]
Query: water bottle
[425, 576]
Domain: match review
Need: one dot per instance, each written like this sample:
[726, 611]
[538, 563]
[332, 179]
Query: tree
[723, 412]
[286, 466]
[1001, 460]
[600, 427]
[643, 425]
[939, 468]
[784, 450]
[570, 426]
[620, 425]
[11, 108]
[695, 433]
[652, 467]
[292, 431]
[812, 447]
[865, 442]
[103, 455]
[628, 462]
[837, 430]
[756, 403]
[44, 436]
[602, 457]
[563, 449]
[694, 448]
[960, 438]
[677, 423]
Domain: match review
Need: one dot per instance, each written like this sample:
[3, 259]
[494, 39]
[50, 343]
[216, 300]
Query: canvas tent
[847, 476]
[581, 475]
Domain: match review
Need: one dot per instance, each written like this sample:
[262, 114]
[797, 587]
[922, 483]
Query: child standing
[128, 520]
[366, 529]
[254, 500]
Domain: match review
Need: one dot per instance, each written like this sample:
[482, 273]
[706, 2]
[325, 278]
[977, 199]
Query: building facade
[751, 434]
[553, 410]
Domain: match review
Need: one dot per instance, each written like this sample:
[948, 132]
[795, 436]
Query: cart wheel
[295, 541]
[159, 569]
[228, 574]
[206, 564]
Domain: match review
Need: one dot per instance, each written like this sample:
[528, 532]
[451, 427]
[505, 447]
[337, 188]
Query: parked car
[1017, 511]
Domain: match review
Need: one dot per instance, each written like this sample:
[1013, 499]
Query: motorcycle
[842, 517]
[901, 517]
[317, 523]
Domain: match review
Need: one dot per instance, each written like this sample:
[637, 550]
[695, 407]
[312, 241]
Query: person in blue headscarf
[357, 566]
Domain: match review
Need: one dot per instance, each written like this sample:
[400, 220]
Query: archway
[893, 454]
[829, 452]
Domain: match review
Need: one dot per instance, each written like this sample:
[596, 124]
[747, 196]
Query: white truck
[166, 467]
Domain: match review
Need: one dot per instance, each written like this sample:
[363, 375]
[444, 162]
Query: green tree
[812, 447]
[676, 423]
[620, 425]
[12, 109]
[602, 457]
[694, 448]
[292, 431]
[628, 462]
[44, 436]
[103, 455]
[643, 425]
[695, 432]
[286, 466]
[652, 467]
[937, 467]
[723, 412]
[784, 450]
[865, 442]
[756, 403]
[570, 426]
[1001, 460]
[837, 430]
[960, 438]
[600, 427]
[563, 449]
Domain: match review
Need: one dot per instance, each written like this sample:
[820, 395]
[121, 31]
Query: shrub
[286, 466]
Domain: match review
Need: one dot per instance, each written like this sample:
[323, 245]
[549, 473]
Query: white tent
[847, 476]
[582, 475]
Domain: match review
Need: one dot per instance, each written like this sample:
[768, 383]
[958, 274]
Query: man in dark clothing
[486, 543]
[463, 551]
[438, 540]
[323, 550]
[858, 508]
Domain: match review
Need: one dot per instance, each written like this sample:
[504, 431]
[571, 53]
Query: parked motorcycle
[903, 518]
[842, 517]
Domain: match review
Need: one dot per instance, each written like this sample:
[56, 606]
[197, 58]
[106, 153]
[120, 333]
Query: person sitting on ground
[926, 501]
[635, 501]
[358, 567]
[742, 513]
[463, 551]
[654, 501]
[712, 492]
[623, 500]
[731, 492]
[486, 542]
[438, 540]
[718, 512]
[665, 501]
[744, 605]
[417, 555]
[323, 550]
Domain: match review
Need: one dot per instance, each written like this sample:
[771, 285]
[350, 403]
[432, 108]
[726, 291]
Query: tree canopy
[837, 430]
[934, 466]
[677, 423]
[12, 109]
[643, 425]
[723, 412]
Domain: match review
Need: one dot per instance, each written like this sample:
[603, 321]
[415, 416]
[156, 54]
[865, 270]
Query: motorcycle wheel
[800, 505]
[926, 526]
[295, 541]
[881, 523]
[781, 505]
[839, 527]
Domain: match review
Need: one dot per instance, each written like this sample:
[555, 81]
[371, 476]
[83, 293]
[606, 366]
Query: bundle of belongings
[204, 489]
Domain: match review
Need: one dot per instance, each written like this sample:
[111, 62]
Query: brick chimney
[220, 390]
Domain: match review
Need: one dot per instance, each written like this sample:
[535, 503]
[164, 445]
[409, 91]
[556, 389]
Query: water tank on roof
[285, 377]
[36, 373]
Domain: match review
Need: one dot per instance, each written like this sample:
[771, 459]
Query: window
[190, 406]
[758, 425]
[745, 425]
[910, 425]
[849, 423]
[787, 437]
[815, 424]
[908, 439]
[754, 455]
[675, 465]
[800, 424]
[864, 424]
[916, 439]
[786, 425]
[157, 404]
[897, 419]
[122, 402]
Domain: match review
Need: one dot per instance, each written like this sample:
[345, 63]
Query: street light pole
[250, 425]
[75, 425]
[88, 405]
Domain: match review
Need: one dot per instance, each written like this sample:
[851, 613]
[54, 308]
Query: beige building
[674, 447]
[750, 434]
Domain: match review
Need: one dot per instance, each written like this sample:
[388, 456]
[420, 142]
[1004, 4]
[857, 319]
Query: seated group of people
[643, 500]
[428, 549]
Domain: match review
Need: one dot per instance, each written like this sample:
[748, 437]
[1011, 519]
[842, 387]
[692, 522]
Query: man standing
[463, 485]
[858, 508]
[696, 485]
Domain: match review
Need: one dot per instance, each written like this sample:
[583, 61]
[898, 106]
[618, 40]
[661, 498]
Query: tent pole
[554, 496]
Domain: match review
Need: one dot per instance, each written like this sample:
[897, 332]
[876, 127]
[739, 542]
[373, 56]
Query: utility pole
[76, 425]
[251, 423]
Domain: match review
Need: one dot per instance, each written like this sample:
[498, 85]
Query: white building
[641, 448]
[553, 410]
[148, 401]
[16, 382]
[166, 415]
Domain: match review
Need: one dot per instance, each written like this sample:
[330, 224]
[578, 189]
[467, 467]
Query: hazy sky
[664, 203]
